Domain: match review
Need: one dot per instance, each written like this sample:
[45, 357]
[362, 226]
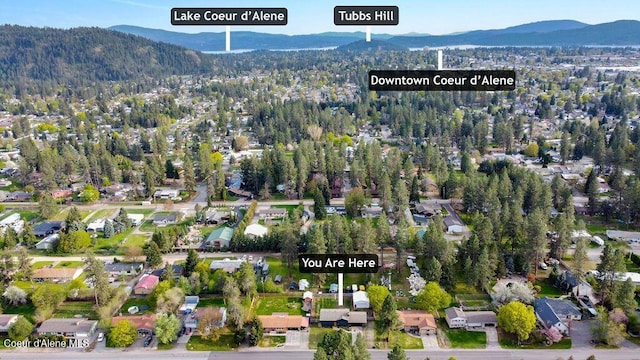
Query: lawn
[224, 343]
[270, 304]
[146, 212]
[111, 245]
[272, 341]
[101, 214]
[461, 338]
[217, 302]
[547, 289]
[69, 309]
[147, 226]
[315, 335]
[69, 264]
[139, 302]
[27, 310]
[28, 215]
[509, 341]
[276, 267]
[40, 264]
[401, 338]
[136, 240]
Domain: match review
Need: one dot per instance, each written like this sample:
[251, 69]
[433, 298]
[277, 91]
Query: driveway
[492, 338]
[581, 334]
[430, 342]
[292, 339]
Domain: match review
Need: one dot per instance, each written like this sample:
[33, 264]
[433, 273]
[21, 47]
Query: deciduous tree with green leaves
[517, 318]
[123, 334]
[167, 327]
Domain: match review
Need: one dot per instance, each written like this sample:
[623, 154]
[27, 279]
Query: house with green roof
[218, 239]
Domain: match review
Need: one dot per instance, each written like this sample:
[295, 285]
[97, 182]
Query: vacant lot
[224, 343]
[70, 309]
[272, 341]
[315, 335]
[270, 304]
[69, 264]
[136, 240]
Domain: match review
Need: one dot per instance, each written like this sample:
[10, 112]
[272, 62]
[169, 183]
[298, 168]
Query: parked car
[147, 341]
[100, 337]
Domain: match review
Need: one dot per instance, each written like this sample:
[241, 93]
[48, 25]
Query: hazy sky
[313, 16]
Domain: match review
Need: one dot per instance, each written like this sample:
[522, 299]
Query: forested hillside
[89, 54]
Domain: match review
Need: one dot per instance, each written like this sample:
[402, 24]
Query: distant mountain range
[543, 33]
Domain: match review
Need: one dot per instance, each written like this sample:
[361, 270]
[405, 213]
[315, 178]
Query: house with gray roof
[547, 317]
[69, 328]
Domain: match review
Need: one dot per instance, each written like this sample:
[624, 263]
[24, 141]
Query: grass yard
[100, 214]
[146, 212]
[315, 335]
[28, 215]
[147, 226]
[139, 302]
[217, 302]
[547, 288]
[111, 245]
[40, 264]
[401, 338]
[510, 341]
[224, 343]
[276, 267]
[270, 304]
[136, 240]
[69, 309]
[27, 310]
[463, 339]
[69, 264]
[289, 208]
[272, 341]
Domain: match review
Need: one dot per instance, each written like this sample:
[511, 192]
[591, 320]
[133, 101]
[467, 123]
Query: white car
[100, 337]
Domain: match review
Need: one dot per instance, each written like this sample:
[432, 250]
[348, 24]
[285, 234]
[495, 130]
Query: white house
[6, 320]
[96, 225]
[361, 300]
[455, 318]
[136, 219]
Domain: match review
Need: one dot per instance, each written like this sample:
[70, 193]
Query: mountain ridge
[541, 33]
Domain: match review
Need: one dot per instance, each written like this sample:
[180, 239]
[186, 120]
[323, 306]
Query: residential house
[623, 235]
[256, 230]
[178, 271]
[218, 239]
[164, 194]
[371, 211]
[361, 300]
[136, 219]
[165, 219]
[96, 225]
[427, 210]
[566, 281]
[48, 243]
[420, 220]
[457, 318]
[19, 196]
[228, 265]
[342, 318]
[69, 328]
[6, 320]
[127, 269]
[281, 322]
[418, 322]
[144, 323]
[547, 317]
[146, 285]
[272, 213]
[47, 228]
[565, 309]
[11, 221]
[61, 193]
[215, 216]
[56, 275]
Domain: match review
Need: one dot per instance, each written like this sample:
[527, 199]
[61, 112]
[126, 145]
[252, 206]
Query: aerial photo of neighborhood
[310, 180]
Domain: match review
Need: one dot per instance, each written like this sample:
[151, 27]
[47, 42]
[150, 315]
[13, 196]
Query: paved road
[281, 354]
[170, 258]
